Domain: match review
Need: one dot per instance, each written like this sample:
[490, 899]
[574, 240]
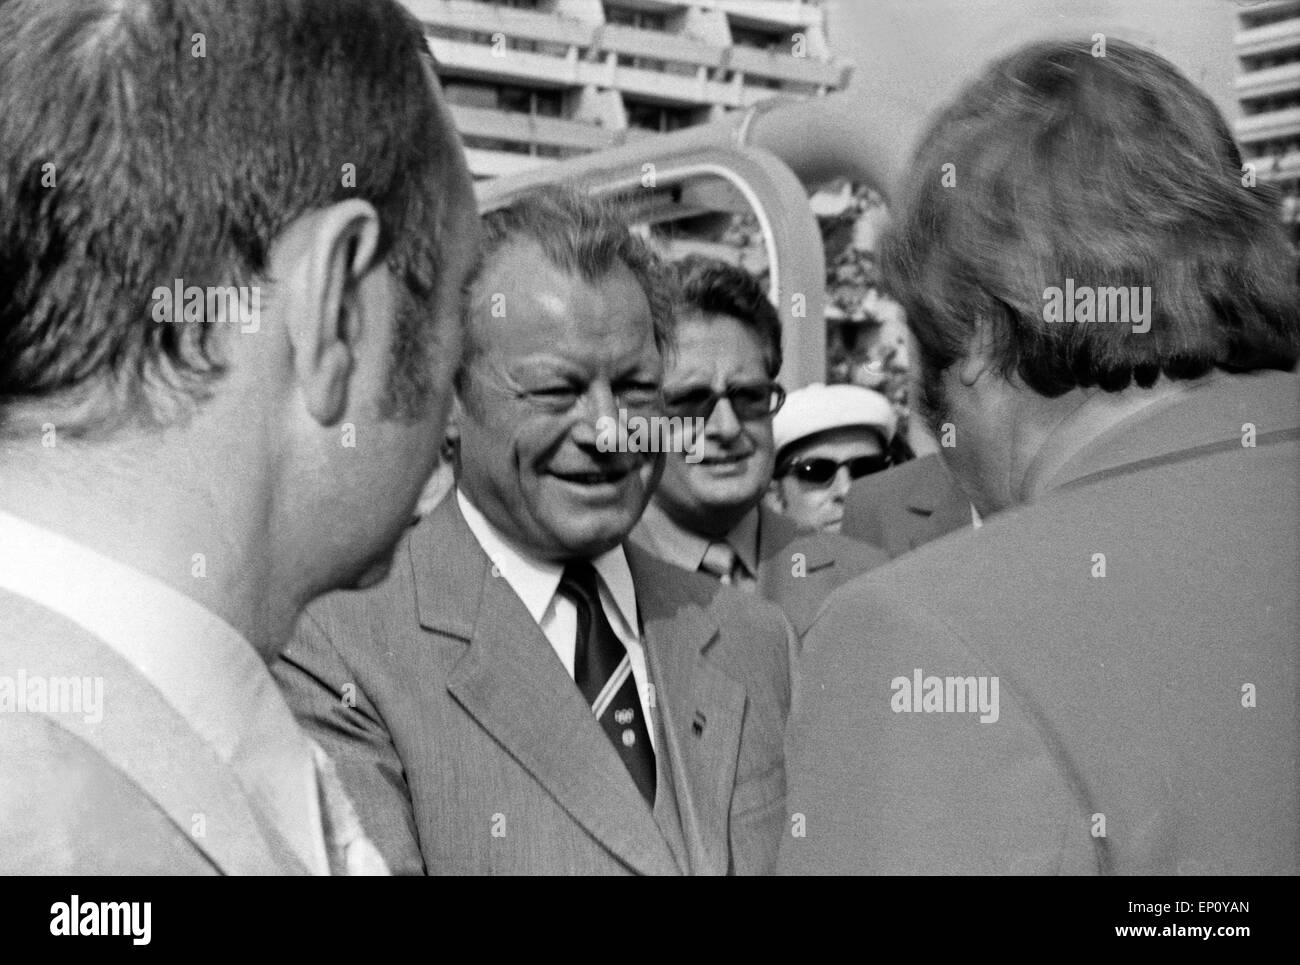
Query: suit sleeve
[877, 787]
[331, 705]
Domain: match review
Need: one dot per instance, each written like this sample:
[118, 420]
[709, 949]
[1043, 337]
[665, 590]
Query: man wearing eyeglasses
[826, 437]
[527, 694]
[706, 514]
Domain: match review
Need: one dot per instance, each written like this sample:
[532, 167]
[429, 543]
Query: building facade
[534, 81]
[1267, 47]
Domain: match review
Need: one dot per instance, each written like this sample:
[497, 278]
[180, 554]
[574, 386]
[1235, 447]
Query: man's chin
[728, 486]
[598, 539]
[731, 502]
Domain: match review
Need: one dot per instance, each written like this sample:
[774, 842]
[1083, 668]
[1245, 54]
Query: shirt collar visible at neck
[663, 537]
[743, 538]
[201, 665]
[535, 580]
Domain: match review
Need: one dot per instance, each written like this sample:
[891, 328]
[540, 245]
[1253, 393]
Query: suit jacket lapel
[179, 771]
[799, 595]
[700, 707]
[511, 682]
[938, 502]
[775, 533]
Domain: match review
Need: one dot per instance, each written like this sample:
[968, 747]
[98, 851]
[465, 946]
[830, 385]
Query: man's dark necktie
[603, 672]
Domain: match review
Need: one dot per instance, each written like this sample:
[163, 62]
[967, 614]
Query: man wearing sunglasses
[706, 513]
[826, 437]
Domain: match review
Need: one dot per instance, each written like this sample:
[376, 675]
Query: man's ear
[333, 250]
[979, 352]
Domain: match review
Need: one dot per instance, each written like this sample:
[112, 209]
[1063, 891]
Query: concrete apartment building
[534, 81]
[1267, 48]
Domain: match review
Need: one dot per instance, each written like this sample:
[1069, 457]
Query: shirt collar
[664, 538]
[536, 580]
[743, 538]
[659, 534]
[200, 664]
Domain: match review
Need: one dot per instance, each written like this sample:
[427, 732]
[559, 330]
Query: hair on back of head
[1111, 171]
[147, 141]
[713, 287]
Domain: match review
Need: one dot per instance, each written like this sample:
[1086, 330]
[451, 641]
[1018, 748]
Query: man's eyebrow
[641, 369]
[690, 379]
[548, 364]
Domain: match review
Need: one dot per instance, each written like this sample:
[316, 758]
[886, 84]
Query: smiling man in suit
[178, 481]
[1102, 678]
[527, 694]
[707, 514]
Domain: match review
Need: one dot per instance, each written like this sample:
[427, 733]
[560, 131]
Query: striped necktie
[603, 672]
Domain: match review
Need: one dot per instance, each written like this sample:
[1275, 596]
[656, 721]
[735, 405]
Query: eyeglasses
[819, 472]
[753, 400]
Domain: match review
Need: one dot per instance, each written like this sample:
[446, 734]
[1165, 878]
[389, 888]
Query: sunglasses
[819, 472]
[753, 400]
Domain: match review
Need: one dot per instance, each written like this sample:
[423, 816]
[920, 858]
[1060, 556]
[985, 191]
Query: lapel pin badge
[697, 725]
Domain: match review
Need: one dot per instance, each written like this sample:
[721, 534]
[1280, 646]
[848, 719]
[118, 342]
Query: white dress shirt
[201, 665]
[536, 582]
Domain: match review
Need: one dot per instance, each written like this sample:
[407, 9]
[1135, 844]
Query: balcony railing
[482, 60]
[1269, 126]
[584, 42]
[531, 128]
[646, 43]
[524, 24]
[787, 67]
[1266, 39]
[1271, 80]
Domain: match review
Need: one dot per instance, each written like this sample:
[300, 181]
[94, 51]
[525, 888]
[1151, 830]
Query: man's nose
[840, 484]
[596, 405]
[723, 423]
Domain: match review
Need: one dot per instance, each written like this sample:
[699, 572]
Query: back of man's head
[144, 141]
[166, 165]
[1058, 171]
